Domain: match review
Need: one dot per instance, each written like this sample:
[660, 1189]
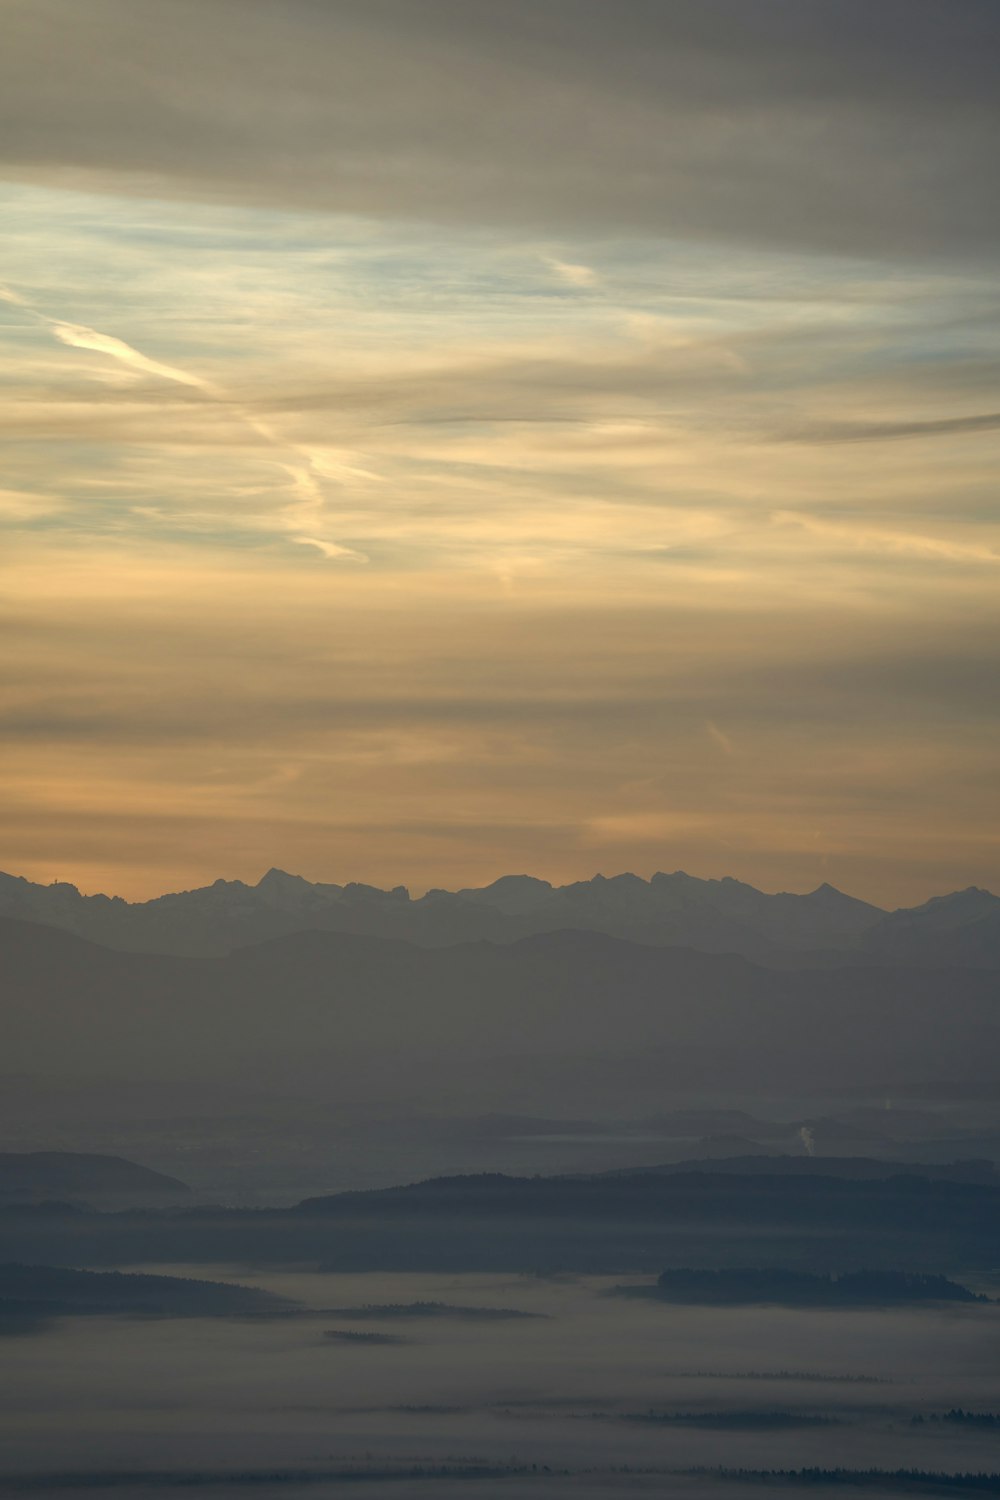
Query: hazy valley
[749, 1194]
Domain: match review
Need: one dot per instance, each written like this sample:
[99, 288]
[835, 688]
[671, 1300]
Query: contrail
[80, 337]
[306, 475]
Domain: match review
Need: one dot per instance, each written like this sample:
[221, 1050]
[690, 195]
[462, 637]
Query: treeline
[811, 1376]
[373, 1310]
[809, 1289]
[920, 1479]
[355, 1336]
[133, 1480]
[988, 1419]
[769, 1420]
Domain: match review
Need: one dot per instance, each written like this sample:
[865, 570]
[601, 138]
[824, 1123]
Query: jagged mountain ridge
[713, 916]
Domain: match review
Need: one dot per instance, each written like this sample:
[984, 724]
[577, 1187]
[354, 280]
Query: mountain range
[565, 1022]
[822, 928]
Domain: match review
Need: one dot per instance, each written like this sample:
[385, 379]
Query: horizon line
[400, 890]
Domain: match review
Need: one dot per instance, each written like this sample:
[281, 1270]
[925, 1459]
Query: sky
[446, 438]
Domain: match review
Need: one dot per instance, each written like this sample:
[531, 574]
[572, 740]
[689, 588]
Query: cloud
[305, 469]
[331, 550]
[104, 343]
[838, 125]
[576, 275]
[152, 699]
[878, 432]
[872, 538]
[28, 505]
[375, 549]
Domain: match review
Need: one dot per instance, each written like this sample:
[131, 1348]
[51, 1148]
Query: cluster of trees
[921, 1479]
[355, 1336]
[735, 1419]
[966, 1418]
[810, 1289]
[264, 1478]
[811, 1376]
[428, 1310]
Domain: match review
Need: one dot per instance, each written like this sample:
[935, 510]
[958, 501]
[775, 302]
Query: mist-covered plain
[593, 1385]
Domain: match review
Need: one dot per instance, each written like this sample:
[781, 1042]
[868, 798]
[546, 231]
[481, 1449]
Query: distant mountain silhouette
[558, 1022]
[963, 928]
[713, 916]
[70, 1175]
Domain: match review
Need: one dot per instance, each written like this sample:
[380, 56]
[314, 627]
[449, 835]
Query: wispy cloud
[880, 432]
[104, 343]
[331, 550]
[396, 548]
[306, 469]
[576, 275]
[878, 539]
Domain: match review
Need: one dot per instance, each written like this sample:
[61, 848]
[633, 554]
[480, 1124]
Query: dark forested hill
[61, 1291]
[689, 1197]
[630, 1222]
[27, 1175]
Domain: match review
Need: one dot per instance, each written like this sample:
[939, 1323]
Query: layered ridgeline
[712, 916]
[562, 1023]
[728, 1236]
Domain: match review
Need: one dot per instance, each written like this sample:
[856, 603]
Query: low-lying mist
[594, 1384]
